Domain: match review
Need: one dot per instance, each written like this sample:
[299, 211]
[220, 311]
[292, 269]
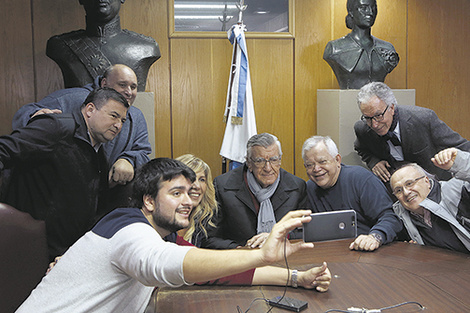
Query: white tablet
[331, 225]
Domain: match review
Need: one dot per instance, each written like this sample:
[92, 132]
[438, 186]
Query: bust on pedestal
[359, 58]
[82, 55]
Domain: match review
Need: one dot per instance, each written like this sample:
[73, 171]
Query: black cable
[285, 287]
[403, 303]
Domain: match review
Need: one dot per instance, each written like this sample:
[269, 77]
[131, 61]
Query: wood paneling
[438, 63]
[313, 31]
[16, 61]
[149, 17]
[272, 77]
[200, 69]
[52, 18]
[190, 80]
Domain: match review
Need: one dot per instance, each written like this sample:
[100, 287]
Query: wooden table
[438, 279]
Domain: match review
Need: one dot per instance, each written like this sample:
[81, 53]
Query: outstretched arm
[317, 277]
[203, 265]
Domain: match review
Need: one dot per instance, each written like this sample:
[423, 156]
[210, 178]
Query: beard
[170, 225]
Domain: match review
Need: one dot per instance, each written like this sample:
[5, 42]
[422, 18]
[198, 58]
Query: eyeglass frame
[378, 118]
[261, 162]
[408, 184]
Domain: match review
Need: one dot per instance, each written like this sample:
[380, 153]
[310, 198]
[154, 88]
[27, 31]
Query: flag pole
[239, 113]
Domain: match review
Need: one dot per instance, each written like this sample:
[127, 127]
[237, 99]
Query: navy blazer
[422, 134]
[237, 217]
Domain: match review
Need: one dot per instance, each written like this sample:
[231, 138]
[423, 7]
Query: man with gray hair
[254, 196]
[390, 133]
[436, 213]
[334, 186]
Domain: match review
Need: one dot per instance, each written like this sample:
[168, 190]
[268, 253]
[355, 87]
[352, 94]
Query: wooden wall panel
[272, 76]
[150, 17]
[190, 80]
[52, 18]
[16, 61]
[438, 65]
[313, 31]
[200, 71]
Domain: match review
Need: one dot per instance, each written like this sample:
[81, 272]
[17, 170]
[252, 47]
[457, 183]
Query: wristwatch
[293, 279]
[377, 237]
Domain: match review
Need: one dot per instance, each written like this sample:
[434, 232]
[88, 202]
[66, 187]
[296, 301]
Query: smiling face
[322, 168]
[375, 107]
[418, 190]
[105, 123]
[172, 206]
[265, 175]
[123, 80]
[198, 188]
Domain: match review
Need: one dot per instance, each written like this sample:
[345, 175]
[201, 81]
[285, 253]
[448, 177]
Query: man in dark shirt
[58, 168]
[335, 186]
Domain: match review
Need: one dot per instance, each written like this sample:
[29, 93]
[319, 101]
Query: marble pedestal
[145, 101]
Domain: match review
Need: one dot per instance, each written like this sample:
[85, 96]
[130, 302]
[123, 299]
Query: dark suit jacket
[237, 217]
[422, 134]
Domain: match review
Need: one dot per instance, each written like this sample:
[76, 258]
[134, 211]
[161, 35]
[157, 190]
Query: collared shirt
[396, 151]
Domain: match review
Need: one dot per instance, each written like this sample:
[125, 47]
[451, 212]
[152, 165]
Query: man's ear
[149, 203]
[338, 158]
[103, 82]
[89, 109]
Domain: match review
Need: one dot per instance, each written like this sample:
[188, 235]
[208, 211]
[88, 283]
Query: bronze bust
[84, 54]
[360, 58]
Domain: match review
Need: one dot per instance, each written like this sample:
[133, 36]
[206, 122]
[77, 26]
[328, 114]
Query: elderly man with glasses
[254, 196]
[390, 133]
[334, 186]
[436, 213]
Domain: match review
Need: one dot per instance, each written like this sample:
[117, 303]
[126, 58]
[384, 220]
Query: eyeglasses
[377, 118]
[398, 191]
[260, 162]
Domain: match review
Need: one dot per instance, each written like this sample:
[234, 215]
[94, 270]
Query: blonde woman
[203, 195]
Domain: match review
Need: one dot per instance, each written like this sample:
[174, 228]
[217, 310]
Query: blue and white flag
[239, 111]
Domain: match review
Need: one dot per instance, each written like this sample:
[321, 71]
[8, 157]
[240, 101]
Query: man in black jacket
[59, 171]
[253, 197]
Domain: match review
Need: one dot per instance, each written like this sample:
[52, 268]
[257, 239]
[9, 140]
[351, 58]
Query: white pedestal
[145, 101]
[337, 112]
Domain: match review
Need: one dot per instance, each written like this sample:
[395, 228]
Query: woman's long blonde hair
[201, 215]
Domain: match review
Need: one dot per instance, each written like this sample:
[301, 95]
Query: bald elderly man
[130, 148]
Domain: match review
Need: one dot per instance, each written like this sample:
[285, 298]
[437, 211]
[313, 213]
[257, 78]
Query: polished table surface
[436, 278]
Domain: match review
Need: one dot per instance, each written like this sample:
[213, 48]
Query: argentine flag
[239, 111]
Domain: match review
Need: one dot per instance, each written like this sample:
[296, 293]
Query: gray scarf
[266, 218]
